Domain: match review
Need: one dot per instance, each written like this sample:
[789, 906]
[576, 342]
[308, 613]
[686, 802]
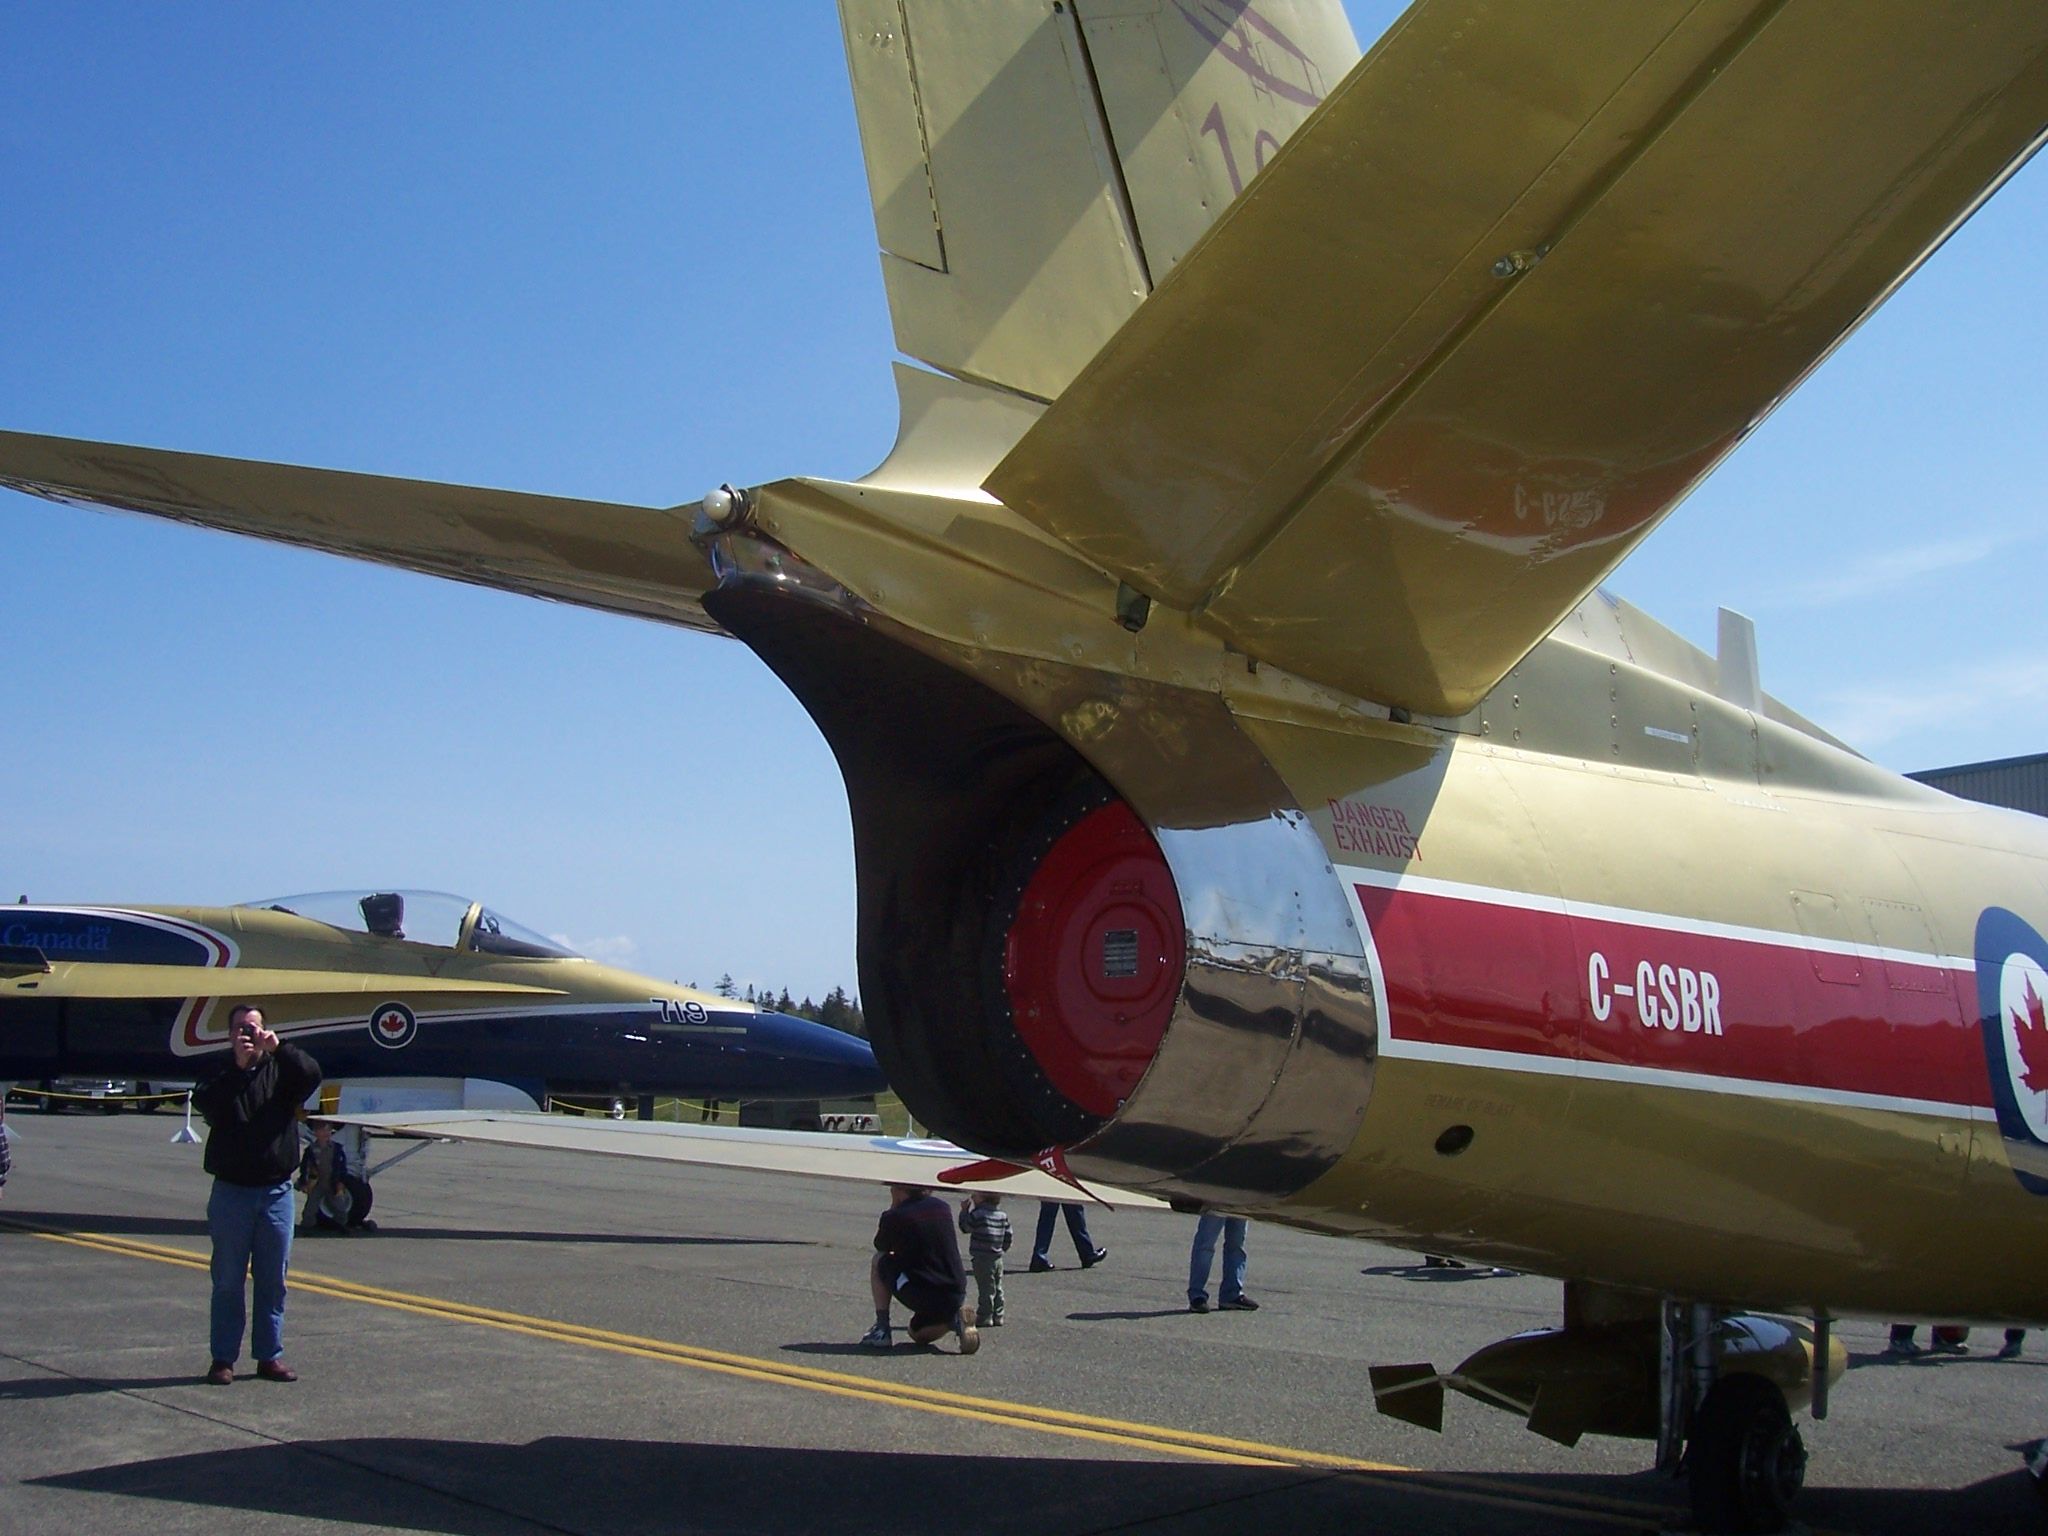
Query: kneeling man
[917, 1262]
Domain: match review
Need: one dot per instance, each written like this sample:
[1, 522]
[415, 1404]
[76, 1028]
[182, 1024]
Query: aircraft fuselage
[145, 993]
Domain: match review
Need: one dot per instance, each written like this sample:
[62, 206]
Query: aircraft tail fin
[1037, 167]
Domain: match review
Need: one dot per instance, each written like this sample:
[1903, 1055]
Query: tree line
[838, 1011]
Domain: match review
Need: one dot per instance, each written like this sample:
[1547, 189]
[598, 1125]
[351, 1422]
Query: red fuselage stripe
[1468, 973]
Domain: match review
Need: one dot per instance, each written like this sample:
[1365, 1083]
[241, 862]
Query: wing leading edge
[1514, 289]
[862, 1159]
[74, 979]
[624, 559]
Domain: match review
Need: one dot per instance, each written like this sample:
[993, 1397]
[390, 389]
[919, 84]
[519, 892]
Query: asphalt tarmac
[546, 1342]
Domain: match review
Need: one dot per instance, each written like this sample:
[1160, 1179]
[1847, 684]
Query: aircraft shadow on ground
[1428, 1276]
[1937, 1362]
[1128, 1317]
[195, 1226]
[902, 1349]
[41, 1388]
[468, 1488]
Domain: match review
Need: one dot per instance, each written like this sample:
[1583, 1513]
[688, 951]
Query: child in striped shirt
[987, 1226]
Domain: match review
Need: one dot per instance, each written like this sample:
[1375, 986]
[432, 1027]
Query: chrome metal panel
[1261, 1083]
[1263, 1077]
[1265, 881]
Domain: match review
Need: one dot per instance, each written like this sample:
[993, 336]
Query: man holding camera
[251, 1107]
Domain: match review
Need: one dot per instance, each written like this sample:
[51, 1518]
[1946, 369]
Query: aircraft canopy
[422, 917]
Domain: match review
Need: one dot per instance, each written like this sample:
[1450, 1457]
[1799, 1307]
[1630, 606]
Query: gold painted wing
[76, 979]
[1529, 273]
[863, 1159]
[625, 559]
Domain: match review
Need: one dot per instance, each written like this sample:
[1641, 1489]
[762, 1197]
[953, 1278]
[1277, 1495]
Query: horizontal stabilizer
[597, 554]
[864, 1159]
[1412, 1393]
[83, 980]
[1502, 301]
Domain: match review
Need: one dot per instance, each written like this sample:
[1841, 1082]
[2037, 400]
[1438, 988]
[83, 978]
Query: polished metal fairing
[1264, 1074]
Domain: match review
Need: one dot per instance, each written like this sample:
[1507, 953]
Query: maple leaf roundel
[2023, 1011]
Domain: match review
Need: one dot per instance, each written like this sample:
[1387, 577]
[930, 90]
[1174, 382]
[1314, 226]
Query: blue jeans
[1203, 1254]
[1077, 1228]
[251, 1231]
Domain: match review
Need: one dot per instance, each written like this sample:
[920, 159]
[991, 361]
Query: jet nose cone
[820, 1062]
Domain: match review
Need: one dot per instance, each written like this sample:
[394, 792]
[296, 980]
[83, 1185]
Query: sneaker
[878, 1337]
[1239, 1304]
[965, 1331]
[1949, 1347]
[1090, 1260]
[1199, 1304]
[1040, 1266]
[220, 1374]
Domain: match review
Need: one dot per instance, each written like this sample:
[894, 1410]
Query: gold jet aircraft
[425, 987]
[1255, 800]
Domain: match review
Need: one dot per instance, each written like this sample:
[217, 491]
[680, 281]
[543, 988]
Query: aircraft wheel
[360, 1196]
[1746, 1463]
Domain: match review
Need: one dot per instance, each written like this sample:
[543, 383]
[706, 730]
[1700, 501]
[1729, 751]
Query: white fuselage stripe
[1657, 1077]
[1528, 901]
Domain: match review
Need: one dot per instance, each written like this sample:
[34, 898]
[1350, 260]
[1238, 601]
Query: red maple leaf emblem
[2031, 1028]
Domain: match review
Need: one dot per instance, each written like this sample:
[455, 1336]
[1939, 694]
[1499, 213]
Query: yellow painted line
[1056, 1421]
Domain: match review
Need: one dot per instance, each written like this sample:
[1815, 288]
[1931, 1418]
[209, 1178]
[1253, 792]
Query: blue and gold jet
[387, 984]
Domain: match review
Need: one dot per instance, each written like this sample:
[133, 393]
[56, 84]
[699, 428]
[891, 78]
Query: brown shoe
[220, 1374]
[275, 1370]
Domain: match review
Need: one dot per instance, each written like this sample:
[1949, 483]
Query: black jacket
[916, 1239]
[253, 1113]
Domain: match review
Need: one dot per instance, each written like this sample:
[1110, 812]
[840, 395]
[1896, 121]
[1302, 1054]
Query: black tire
[360, 1197]
[1746, 1462]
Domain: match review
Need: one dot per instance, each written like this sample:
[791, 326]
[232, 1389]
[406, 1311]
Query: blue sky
[626, 253]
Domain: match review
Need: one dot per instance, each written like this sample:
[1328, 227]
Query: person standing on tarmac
[917, 1262]
[1091, 1252]
[251, 1107]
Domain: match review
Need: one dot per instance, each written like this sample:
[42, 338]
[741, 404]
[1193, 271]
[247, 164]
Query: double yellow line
[1052, 1421]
